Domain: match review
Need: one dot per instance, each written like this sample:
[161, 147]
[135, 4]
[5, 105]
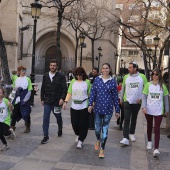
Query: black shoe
[45, 140]
[168, 136]
[60, 133]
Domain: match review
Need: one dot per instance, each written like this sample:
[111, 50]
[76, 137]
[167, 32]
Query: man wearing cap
[131, 96]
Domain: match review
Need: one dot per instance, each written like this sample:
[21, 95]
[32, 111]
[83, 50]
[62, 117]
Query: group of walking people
[97, 95]
[153, 96]
[16, 109]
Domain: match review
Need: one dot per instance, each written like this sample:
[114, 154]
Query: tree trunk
[92, 52]
[58, 51]
[145, 63]
[77, 46]
[160, 57]
[4, 64]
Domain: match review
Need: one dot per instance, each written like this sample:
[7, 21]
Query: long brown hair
[158, 71]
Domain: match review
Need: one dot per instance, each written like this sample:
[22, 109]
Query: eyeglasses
[23, 70]
[155, 74]
[79, 74]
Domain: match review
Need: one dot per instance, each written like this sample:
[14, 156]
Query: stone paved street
[26, 152]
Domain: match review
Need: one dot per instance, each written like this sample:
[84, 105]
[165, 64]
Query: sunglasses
[23, 70]
[155, 74]
[79, 74]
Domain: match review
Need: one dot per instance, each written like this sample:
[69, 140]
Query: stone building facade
[16, 14]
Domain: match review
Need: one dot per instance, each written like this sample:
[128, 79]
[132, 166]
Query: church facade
[17, 24]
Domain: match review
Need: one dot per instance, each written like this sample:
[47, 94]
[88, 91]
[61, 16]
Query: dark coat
[53, 91]
[25, 107]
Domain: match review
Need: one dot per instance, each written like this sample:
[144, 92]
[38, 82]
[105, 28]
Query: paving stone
[32, 164]
[26, 152]
[6, 165]
[11, 159]
[64, 165]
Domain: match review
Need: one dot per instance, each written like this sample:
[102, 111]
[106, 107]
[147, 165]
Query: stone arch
[46, 30]
[45, 42]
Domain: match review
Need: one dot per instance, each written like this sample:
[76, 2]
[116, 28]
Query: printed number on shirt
[2, 110]
[134, 85]
[155, 96]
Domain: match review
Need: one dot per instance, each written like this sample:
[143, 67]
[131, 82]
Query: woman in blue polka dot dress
[103, 97]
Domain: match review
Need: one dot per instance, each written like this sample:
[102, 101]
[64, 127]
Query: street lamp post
[156, 42]
[100, 54]
[82, 38]
[116, 57]
[121, 67]
[35, 13]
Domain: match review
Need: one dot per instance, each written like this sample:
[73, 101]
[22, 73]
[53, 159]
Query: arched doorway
[50, 54]
[46, 50]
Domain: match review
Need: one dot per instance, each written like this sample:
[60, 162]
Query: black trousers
[80, 122]
[4, 131]
[121, 115]
[16, 115]
[130, 118]
[91, 120]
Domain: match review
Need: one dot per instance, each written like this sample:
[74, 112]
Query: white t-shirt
[51, 76]
[155, 105]
[79, 91]
[133, 88]
[21, 82]
[3, 111]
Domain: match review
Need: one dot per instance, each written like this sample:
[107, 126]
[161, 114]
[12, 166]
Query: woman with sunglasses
[154, 105]
[21, 104]
[79, 90]
[104, 96]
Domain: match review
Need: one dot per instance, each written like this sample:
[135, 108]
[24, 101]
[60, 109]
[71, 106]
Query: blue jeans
[46, 118]
[102, 125]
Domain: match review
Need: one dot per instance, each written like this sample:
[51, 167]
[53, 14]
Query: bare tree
[89, 18]
[96, 22]
[75, 18]
[143, 20]
[60, 6]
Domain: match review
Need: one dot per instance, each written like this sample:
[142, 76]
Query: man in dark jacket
[53, 93]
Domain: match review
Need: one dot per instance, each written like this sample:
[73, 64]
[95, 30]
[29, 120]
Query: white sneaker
[77, 139]
[79, 144]
[149, 145]
[12, 134]
[132, 137]
[4, 148]
[156, 153]
[125, 141]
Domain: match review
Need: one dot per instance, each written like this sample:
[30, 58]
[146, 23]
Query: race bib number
[57, 110]
[2, 111]
[155, 96]
[134, 85]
